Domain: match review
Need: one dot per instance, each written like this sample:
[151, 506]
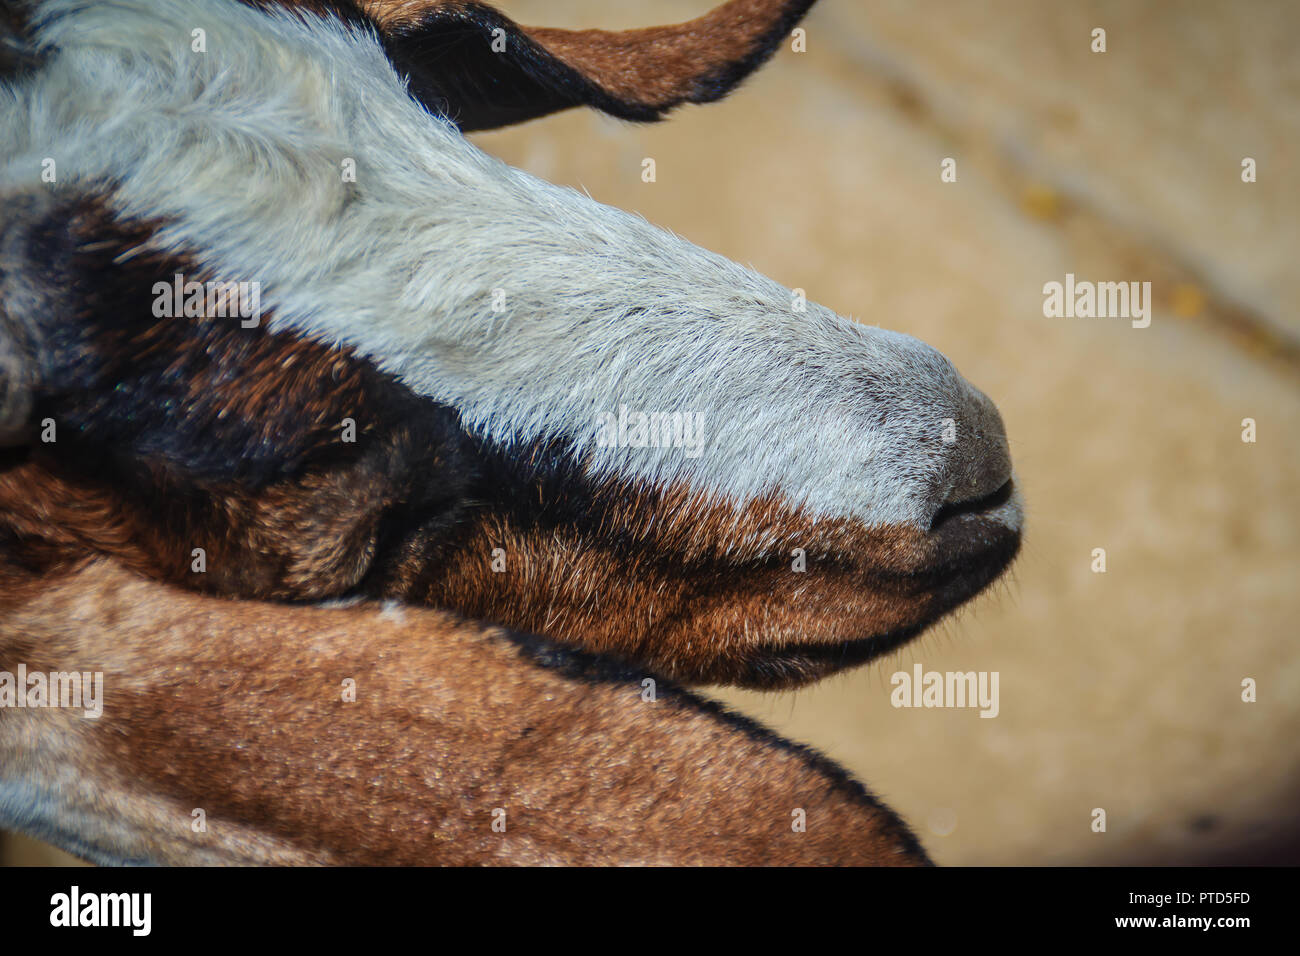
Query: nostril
[974, 505]
[976, 460]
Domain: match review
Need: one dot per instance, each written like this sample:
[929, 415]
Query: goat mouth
[994, 504]
[971, 544]
[790, 665]
[980, 536]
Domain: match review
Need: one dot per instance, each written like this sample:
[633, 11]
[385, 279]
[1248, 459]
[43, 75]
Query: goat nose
[977, 466]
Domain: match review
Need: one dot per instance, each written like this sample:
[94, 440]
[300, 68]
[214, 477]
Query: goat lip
[976, 532]
[945, 587]
[931, 575]
[932, 592]
[969, 544]
[1003, 505]
[991, 552]
[968, 554]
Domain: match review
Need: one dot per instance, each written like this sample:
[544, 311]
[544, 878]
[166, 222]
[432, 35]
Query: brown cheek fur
[692, 590]
[147, 408]
[236, 708]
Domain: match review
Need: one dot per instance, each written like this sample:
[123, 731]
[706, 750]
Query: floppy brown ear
[482, 70]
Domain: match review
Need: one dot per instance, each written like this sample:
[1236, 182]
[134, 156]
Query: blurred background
[1119, 690]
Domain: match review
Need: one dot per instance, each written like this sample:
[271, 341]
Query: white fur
[240, 148]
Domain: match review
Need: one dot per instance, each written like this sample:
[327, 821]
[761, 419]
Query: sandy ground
[1120, 690]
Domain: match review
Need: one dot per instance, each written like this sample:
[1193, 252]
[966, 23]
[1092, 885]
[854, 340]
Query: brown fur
[703, 592]
[236, 708]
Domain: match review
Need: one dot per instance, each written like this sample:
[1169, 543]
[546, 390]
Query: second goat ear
[482, 70]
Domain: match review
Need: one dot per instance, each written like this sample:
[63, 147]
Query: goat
[474, 326]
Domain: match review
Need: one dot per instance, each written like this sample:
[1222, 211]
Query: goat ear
[482, 70]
